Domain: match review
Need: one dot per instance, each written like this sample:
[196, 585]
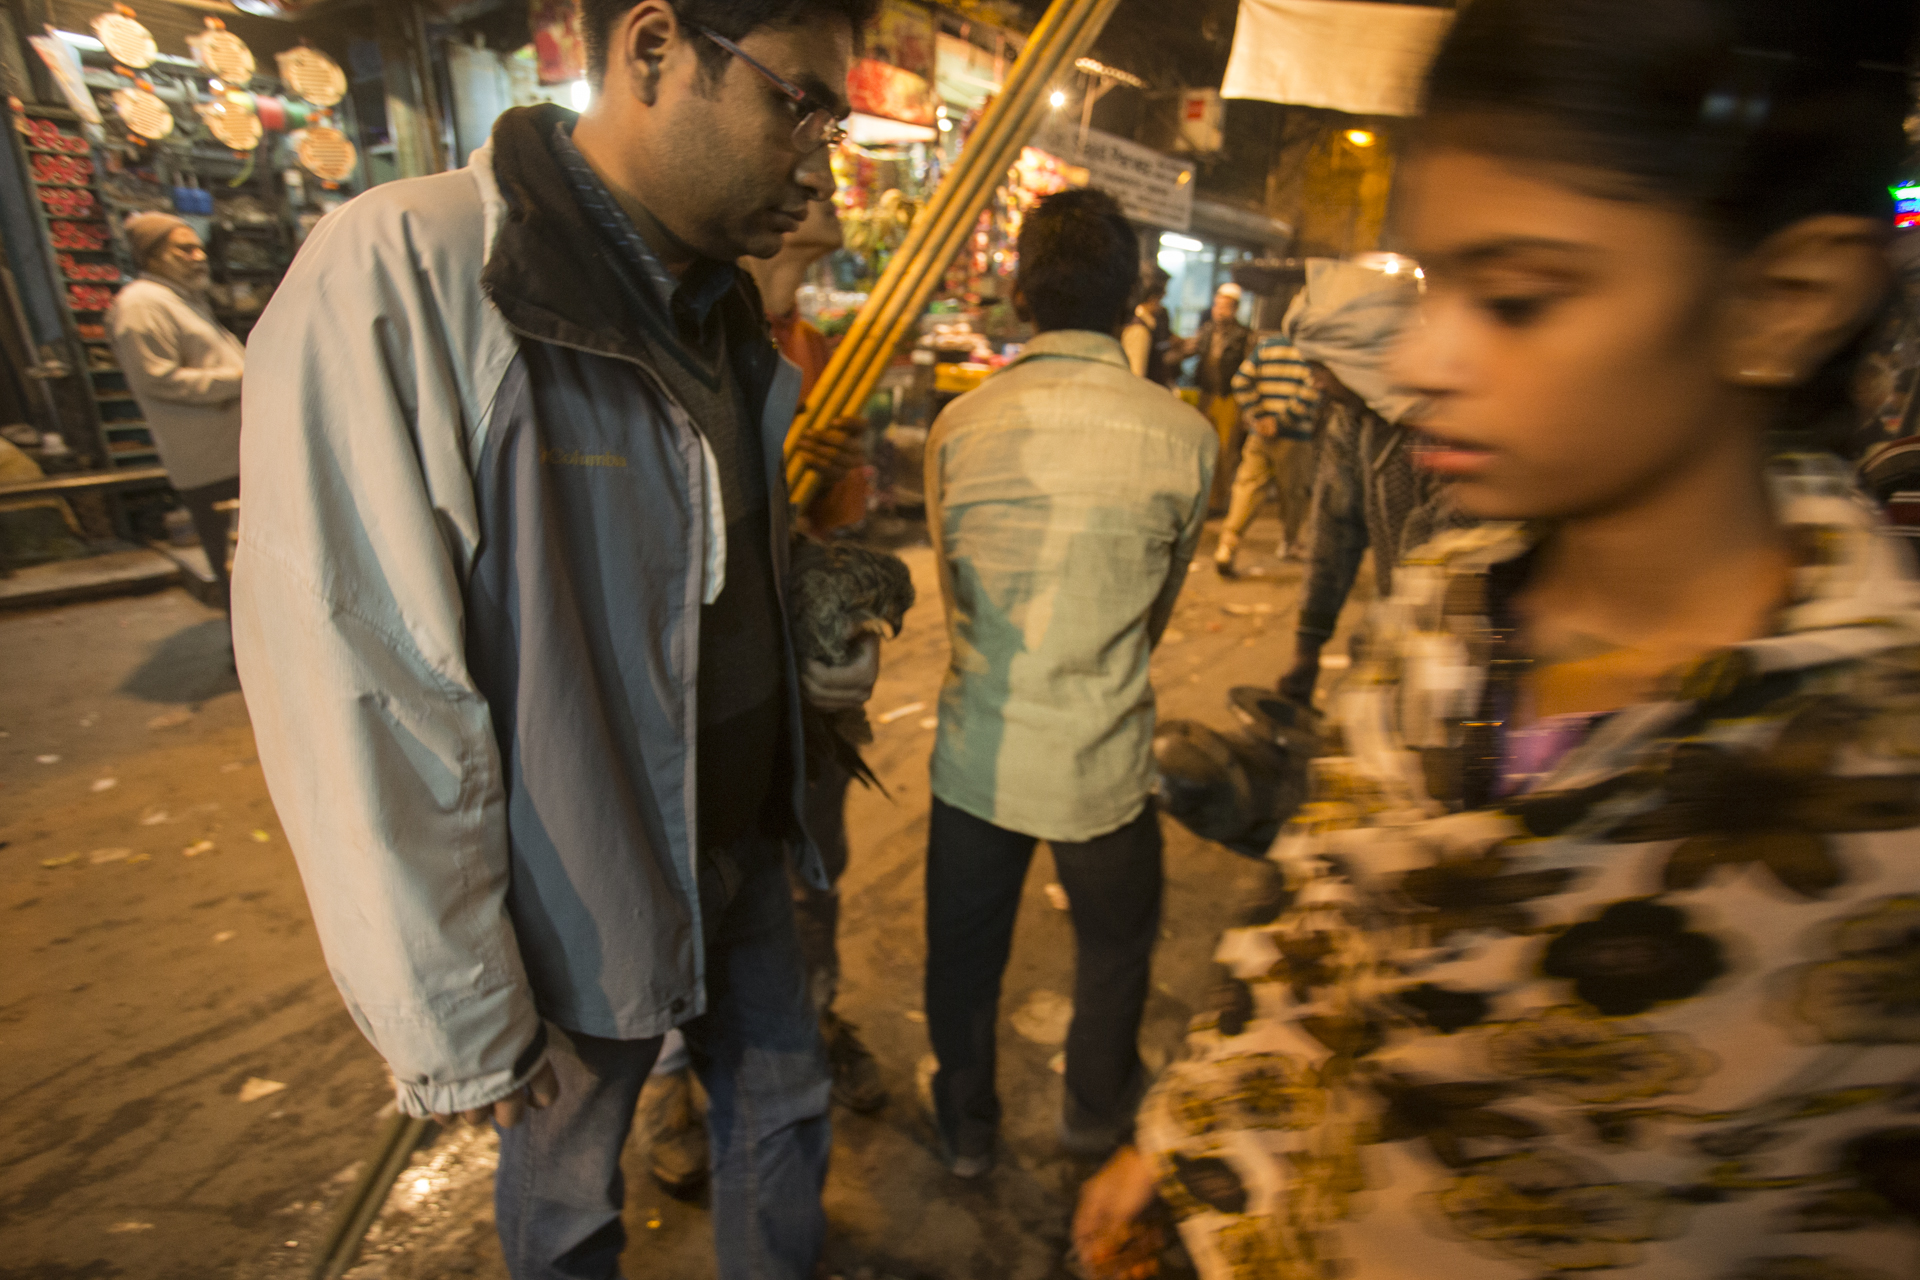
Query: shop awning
[1235, 225]
[1351, 56]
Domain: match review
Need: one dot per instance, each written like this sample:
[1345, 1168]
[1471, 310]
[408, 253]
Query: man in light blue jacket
[509, 614]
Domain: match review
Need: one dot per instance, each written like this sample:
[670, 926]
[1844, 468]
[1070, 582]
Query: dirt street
[156, 956]
[185, 1096]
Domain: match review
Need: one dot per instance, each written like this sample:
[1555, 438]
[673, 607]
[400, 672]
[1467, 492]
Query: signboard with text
[1151, 187]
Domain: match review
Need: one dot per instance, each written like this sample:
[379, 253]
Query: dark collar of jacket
[556, 279]
[1237, 333]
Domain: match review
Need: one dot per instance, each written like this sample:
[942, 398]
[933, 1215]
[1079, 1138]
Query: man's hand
[835, 451]
[508, 1111]
[1105, 1234]
[1265, 424]
[845, 687]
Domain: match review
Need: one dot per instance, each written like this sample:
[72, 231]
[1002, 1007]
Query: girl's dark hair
[1748, 114]
[1752, 114]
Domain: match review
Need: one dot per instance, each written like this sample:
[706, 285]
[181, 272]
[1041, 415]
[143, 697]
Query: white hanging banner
[1368, 59]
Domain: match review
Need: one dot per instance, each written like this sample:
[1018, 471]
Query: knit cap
[146, 232]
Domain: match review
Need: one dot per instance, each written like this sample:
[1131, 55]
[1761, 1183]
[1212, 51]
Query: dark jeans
[974, 874]
[211, 525]
[559, 1192]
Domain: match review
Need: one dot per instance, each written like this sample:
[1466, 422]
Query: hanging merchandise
[326, 153]
[223, 53]
[193, 198]
[556, 40]
[313, 75]
[64, 63]
[127, 42]
[144, 114]
[230, 117]
[284, 115]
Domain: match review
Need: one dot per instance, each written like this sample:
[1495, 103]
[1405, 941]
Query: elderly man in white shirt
[184, 369]
[1065, 497]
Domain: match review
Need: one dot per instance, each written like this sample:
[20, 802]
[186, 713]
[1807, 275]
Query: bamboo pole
[402, 1137]
[1065, 32]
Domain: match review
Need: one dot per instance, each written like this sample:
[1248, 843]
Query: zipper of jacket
[693, 690]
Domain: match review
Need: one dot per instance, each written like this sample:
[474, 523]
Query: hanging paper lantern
[127, 42]
[231, 119]
[313, 75]
[222, 52]
[144, 115]
[326, 153]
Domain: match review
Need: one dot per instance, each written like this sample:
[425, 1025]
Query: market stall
[248, 146]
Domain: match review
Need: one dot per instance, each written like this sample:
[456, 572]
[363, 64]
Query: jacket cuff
[423, 1100]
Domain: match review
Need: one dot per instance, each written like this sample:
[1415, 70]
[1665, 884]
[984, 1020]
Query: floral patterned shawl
[1659, 1016]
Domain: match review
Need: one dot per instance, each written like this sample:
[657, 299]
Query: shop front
[1220, 239]
[235, 125]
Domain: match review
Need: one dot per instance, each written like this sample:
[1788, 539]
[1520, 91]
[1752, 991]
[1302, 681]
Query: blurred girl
[1601, 945]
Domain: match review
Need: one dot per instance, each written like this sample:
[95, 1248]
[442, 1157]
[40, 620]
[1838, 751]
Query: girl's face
[1564, 341]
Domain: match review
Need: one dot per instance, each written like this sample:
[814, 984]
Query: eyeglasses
[818, 126]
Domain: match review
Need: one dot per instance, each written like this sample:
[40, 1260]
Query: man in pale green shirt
[1065, 498]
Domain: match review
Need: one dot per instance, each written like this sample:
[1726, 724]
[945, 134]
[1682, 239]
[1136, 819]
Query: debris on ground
[437, 1219]
[888, 717]
[197, 848]
[1043, 1018]
[256, 1088]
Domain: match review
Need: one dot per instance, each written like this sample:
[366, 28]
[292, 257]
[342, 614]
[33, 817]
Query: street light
[1360, 137]
[1057, 99]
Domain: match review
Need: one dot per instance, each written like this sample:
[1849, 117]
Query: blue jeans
[559, 1192]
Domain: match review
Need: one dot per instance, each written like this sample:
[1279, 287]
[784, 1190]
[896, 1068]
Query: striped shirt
[1274, 383]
